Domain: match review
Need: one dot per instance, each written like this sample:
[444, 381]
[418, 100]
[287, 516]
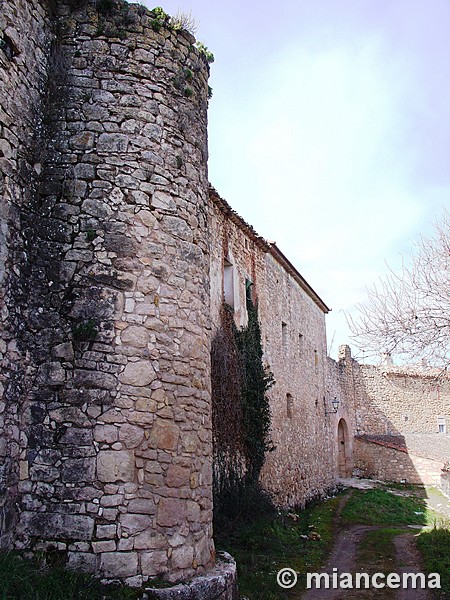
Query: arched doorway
[344, 451]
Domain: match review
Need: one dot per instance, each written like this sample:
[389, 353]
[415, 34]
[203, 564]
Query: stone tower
[104, 263]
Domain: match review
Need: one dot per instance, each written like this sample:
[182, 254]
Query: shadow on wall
[393, 418]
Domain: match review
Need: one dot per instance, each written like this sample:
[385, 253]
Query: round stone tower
[115, 470]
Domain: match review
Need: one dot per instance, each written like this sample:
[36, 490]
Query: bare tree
[409, 314]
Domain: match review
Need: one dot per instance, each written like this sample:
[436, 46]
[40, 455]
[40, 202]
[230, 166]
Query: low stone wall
[390, 464]
[219, 584]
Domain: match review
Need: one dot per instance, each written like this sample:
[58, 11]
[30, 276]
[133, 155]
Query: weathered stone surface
[182, 557]
[115, 465]
[144, 506]
[177, 476]
[164, 435]
[135, 336]
[58, 526]
[154, 563]
[171, 511]
[78, 469]
[133, 523]
[112, 142]
[131, 435]
[138, 373]
[119, 564]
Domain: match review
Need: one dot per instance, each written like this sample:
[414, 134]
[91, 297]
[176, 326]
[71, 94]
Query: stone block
[81, 561]
[177, 476]
[140, 373]
[95, 379]
[78, 469]
[171, 512]
[106, 532]
[154, 563]
[58, 526]
[106, 433]
[113, 142]
[135, 336]
[103, 546]
[131, 435]
[148, 540]
[134, 523]
[119, 564]
[182, 557]
[115, 465]
[164, 435]
[143, 506]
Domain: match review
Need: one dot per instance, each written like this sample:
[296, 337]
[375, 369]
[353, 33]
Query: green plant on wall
[256, 381]
[160, 18]
[86, 331]
[205, 52]
[241, 417]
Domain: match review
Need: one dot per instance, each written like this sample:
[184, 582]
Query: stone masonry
[293, 333]
[115, 259]
[106, 312]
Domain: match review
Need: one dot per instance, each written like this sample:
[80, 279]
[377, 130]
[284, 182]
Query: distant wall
[393, 399]
[400, 406]
[389, 464]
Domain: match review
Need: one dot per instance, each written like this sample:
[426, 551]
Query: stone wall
[292, 321]
[390, 464]
[114, 421]
[25, 38]
[393, 399]
[396, 412]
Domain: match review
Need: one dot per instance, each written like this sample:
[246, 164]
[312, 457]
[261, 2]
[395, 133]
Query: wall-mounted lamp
[335, 404]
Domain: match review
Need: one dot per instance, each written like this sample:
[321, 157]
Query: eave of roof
[269, 247]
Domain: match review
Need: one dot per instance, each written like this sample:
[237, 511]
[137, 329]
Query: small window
[301, 342]
[284, 336]
[228, 283]
[442, 428]
[289, 406]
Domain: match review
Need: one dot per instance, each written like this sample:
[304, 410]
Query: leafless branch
[409, 313]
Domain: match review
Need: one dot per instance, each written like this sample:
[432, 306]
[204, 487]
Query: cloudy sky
[329, 130]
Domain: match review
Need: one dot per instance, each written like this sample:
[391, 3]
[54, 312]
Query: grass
[376, 551]
[434, 546]
[263, 547]
[380, 507]
[26, 580]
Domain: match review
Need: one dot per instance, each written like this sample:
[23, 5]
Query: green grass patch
[380, 507]
[263, 547]
[434, 546]
[26, 580]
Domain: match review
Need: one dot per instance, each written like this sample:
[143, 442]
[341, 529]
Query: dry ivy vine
[241, 416]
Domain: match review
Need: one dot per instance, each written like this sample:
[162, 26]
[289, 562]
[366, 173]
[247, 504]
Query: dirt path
[408, 561]
[344, 559]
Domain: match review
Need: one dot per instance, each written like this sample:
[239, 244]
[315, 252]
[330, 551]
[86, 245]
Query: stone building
[292, 320]
[115, 258]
